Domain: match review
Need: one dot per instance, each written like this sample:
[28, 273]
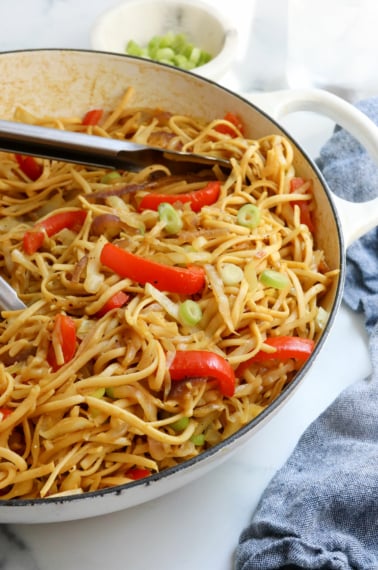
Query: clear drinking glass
[333, 45]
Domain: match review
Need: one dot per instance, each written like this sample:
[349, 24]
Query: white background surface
[198, 526]
[350, 23]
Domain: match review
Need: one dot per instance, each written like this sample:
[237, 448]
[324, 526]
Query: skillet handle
[356, 218]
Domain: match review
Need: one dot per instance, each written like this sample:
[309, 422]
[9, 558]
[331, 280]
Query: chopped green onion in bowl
[172, 49]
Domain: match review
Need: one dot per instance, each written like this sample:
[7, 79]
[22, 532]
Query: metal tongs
[90, 150]
[99, 151]
[9, 299]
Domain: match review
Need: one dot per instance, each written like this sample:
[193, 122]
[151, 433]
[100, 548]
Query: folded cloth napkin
[320, 510]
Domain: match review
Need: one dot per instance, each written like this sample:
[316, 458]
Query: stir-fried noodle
[91, 391]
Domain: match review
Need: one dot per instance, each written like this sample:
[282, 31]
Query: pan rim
[250, 427]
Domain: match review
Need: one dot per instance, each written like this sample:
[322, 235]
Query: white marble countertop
[196, 527]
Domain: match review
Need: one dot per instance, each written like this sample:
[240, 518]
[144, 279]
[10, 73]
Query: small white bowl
[140, 20]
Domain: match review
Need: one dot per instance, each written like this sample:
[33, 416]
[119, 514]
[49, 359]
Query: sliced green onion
[181, 424]
[171, 217]
[249, 216]
[190, 313]
[165, 53]
[231, 274]
[110, 177]
[98, 393]
[117, 392]
[195, 55]
[271, 278]
[133, 48]
[110, 392]
[154, 44]
[198, 439]
[182, 62]
[173, 49]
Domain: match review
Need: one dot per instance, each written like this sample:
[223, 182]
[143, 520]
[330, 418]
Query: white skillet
[65, 82]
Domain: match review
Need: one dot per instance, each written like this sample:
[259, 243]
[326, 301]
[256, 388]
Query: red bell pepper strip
[296, 183]
[304, 207]
[32, 241]
[29, 166]
[137, 473]
[228, 130]
[286, 347]
[186, 281]
[72, 219]
[65, 330]
[197, 199]
[92, 117]
[118, 300]
[4, 413]
[205, 364]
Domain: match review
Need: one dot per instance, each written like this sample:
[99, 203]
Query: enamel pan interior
[65, 82]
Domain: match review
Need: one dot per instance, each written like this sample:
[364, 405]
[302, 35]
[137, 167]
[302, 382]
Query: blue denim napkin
[320, 511]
